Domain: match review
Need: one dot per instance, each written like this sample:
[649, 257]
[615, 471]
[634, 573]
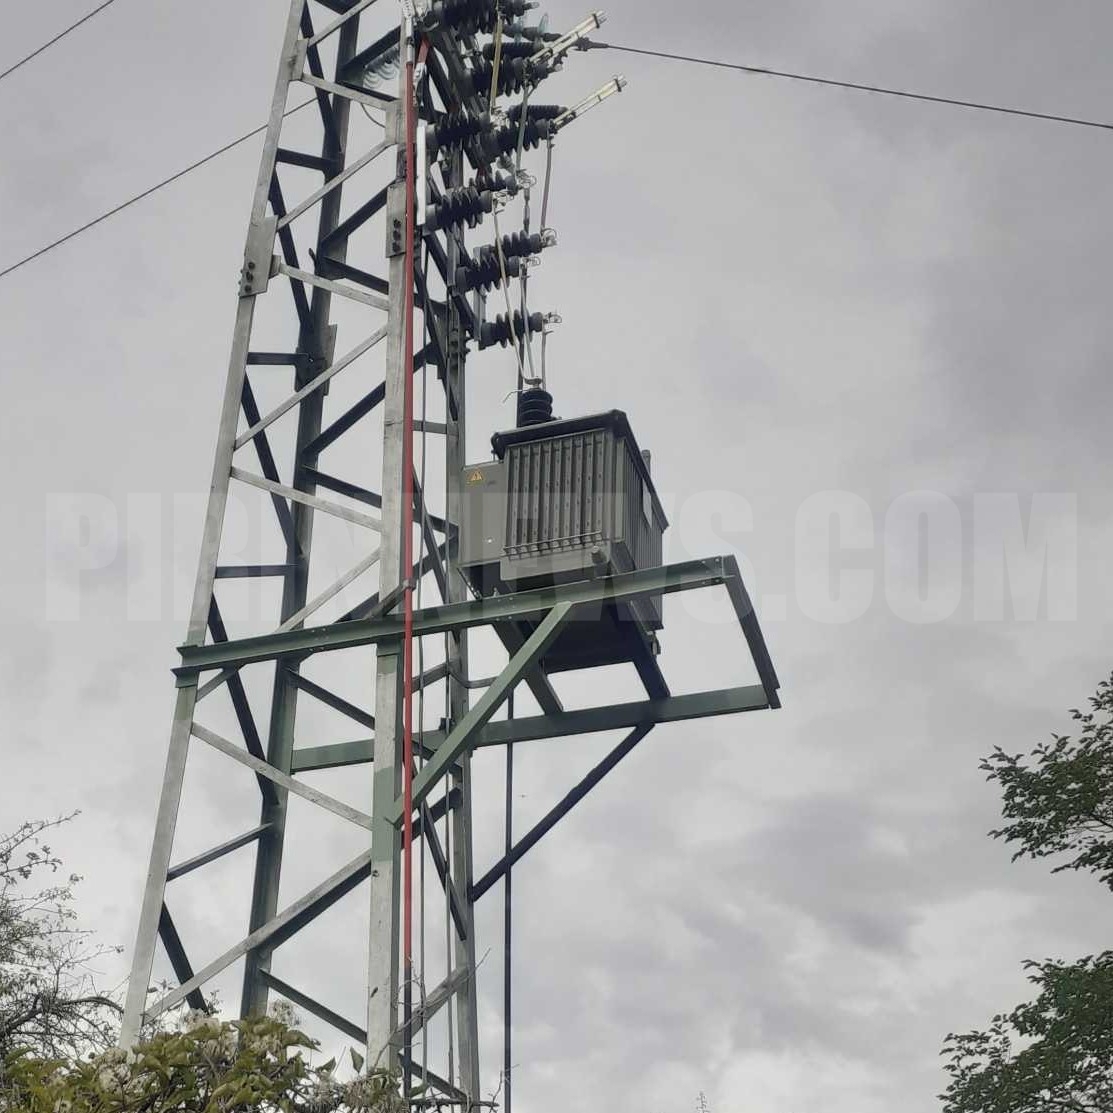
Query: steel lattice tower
[316, 265]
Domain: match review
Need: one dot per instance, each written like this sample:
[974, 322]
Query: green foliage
[259, 1065]
[49, 1001]
[1059, 799]
[1052, 1055]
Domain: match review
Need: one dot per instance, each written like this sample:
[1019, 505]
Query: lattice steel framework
[316, 264]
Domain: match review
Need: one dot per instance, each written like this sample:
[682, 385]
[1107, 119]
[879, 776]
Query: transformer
[567, 500]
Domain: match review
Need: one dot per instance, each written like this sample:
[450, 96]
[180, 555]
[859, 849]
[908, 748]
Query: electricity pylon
[441, 160]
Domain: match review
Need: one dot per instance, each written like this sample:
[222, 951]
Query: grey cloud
[790, 289]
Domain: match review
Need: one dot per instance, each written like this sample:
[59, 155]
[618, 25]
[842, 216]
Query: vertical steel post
[382, 983]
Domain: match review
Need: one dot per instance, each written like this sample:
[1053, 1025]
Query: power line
[61, 35]
[737, 66]
[146, 193]
[903, 93]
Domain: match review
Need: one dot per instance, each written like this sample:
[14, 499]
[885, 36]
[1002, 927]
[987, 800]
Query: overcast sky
[791, 290]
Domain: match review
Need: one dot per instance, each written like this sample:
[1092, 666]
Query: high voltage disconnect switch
[360, 294]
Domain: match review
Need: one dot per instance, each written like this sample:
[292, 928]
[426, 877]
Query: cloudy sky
[826, 313]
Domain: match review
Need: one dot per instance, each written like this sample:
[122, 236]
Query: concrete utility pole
[356, 334]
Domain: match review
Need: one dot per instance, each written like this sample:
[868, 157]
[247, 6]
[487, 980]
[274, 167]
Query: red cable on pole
[408, 524]
[407, 533]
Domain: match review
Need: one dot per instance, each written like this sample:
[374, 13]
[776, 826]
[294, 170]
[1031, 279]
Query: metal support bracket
[258, 257]
[396, 220]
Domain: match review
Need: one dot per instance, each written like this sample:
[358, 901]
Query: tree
[1053, 1054]
[206, 1065]
[49, 1002]
[1059, 799]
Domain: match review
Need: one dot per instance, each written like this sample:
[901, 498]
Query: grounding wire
[862, 88]
[61, 35]
[147, 192]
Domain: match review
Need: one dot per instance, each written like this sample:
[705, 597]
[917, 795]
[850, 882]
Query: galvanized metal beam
[427, 829]
[340, 755]
[537, 680]
[278, 930]
[267, 463]
[314, 1007]
[674, 709]
[313, 385]
[554, 816]
[461, 737]
[687, 576]
[383, 1036]
[313, 606]
[252, 571]
[215, 854]
[240, 705]
[331, 699]
[337, 181]
[294, 495]
[290, 784]
[179, 960]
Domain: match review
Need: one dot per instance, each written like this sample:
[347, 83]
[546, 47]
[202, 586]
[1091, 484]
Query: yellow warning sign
[476, 476]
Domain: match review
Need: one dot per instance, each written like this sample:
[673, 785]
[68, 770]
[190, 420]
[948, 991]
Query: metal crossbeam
[674, 709]
[297, 916]
[334, 701]
[216, 853]
[335, 509]
[333, 183]
[496, 695]
[556, 814]
[299, 396]
[179, 960]
[314, 796]
[481, 612]
[315, 1008]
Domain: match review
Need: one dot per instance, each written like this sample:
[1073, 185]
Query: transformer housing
[562, 501]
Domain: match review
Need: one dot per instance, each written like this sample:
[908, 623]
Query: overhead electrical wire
[146, 193]
[904, 94]
[61, 35]
[832, 83]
